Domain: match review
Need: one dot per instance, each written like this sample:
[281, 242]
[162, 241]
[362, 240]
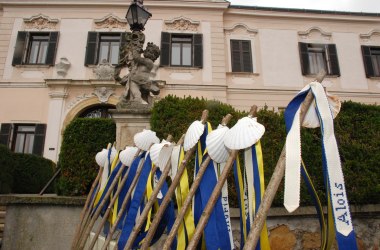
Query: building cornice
[303, 14]
[208, 4]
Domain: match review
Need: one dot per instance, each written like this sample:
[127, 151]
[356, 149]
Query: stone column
[128, 123]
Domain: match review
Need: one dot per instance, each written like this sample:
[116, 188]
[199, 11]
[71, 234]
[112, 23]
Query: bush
[31, 173]
[82, 139]
[356, 128]
[6, 170]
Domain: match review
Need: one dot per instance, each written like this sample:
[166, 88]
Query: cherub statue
[138, 83]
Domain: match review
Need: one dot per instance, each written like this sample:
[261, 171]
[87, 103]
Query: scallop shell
[246, 132]
[174, 160]
[215, 144]
[155, 151]
[127, 155]
[193, 133]
[311, 119]
[145, 139]
[101, 157]
[165, 154]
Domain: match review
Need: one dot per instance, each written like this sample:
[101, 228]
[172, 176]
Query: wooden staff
[150, 203]
[87, 206]
[83, 239]
[275, 180]
[215, 194]
[112, 202]
[169, 194]
[190, 195]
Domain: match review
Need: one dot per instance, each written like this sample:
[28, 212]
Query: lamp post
[137, 15]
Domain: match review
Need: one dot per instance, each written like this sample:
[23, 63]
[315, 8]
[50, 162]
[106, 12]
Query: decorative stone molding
[79, 99]
[104, 71]
[40, 22]
[111, 22]
[183, 24]
[236, 27]
[369, 36]
[309, 33]
[103, 93]
[62, 67]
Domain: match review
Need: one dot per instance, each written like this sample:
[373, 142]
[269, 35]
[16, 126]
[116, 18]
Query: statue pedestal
[128, 123]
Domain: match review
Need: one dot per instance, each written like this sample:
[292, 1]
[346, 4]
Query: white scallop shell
[311, 119]
[155, 151]
[101, 157]
[174, 160]
[127, 155]
[215, 144]
[165, 154]
[246, 132]
[145, 139]
[193, 133]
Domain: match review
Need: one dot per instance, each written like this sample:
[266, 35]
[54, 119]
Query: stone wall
[48, 222]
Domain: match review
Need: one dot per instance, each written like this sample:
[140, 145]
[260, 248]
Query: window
[103, 47]
[23, 138]
[181, 50]
[98, 111]
[35, 48]
[315, 57]
[241, 56]
[371, 58]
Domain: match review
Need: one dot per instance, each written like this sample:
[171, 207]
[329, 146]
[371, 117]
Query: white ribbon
[334, 169]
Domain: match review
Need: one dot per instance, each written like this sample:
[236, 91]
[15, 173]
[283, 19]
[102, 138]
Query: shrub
[6, 170]
[31, 173]
[356, 128]
[82, 139]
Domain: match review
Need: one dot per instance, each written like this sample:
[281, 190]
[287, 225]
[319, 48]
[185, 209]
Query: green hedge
[82, 139]
[24, 173]
[357, 132]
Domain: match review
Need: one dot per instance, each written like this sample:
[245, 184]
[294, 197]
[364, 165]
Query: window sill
[180, 69]
[327, 76]
[374, 77]
[33, 66]
[243, 74]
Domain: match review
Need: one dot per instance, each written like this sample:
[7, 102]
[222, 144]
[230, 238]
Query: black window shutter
[123, 42]
[246, 56]
[165, 49]
[198, 50]
[235, 56]
[5, 133]
[91, 49]
[21, 42]
[304, 56]
[52, 48]
[334, 64]
[366, 51]
[39, 139]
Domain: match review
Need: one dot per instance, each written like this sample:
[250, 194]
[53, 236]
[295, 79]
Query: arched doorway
[97, 111]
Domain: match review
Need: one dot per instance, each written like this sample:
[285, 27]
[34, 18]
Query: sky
[368, 6]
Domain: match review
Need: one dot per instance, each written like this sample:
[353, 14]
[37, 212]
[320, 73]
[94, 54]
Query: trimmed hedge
[82, 139]
[24, 173]
[357, 131]
[6, 170]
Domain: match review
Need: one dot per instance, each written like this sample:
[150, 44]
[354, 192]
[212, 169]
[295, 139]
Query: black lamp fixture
[137, 15]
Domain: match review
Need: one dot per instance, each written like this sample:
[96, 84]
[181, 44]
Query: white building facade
[51, 55]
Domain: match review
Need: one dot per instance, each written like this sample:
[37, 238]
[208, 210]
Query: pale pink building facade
[50, 53]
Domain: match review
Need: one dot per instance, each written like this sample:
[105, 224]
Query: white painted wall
[280, 58]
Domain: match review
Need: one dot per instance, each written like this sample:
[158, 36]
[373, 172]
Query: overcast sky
[337, 5]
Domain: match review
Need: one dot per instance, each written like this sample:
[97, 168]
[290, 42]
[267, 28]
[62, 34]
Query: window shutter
[5, 133]
[19, 52]
[246, 56]
[304, 56]
[165, 49]
[366, 51]
[39, 139]
[91, 49]
[52, 48]
[198, 50]
[235, 56]
[123, 42]
[334, 64]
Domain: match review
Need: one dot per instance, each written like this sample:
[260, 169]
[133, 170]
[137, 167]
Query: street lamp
[137, 15]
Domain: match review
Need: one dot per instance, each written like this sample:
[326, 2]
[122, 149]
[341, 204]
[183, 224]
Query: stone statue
[138, 83]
